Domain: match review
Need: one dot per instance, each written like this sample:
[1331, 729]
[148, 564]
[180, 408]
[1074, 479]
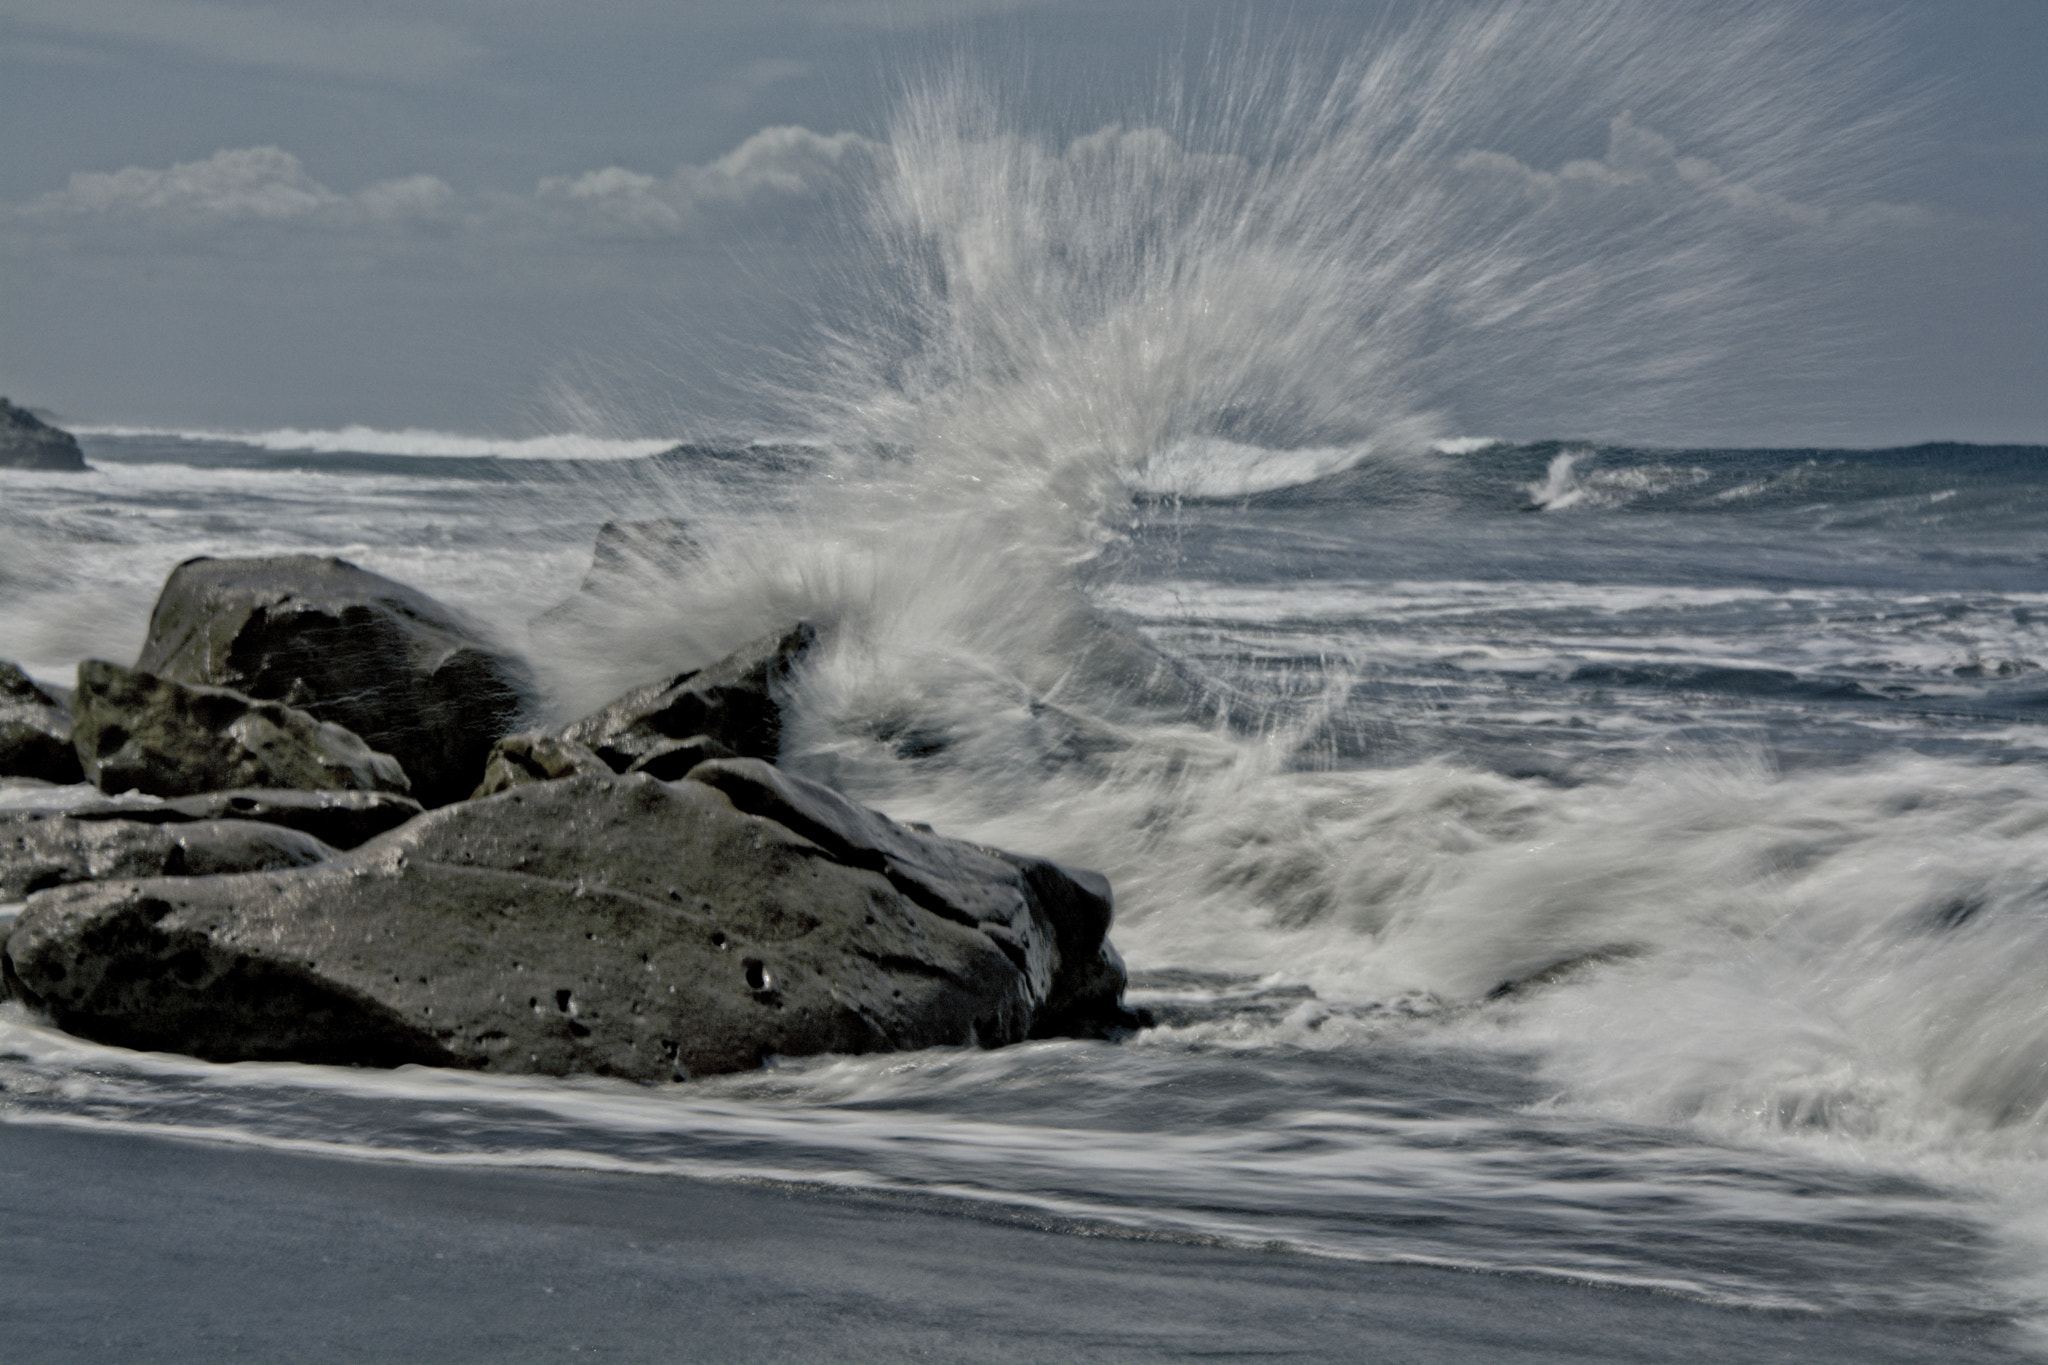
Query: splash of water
[1275, 265]
[1303, 265]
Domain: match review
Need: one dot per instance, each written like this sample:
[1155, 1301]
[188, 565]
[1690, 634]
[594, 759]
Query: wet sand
[131, 1248]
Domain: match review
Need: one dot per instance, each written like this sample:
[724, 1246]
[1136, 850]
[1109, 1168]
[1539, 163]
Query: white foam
[367, 440]
[1223, 469]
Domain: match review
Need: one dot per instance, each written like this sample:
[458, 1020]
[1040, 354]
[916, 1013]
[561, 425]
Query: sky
[519, 216]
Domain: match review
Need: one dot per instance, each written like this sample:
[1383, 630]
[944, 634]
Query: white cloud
[777, 173]
[786, 161]
[1645, 170]
[243, 185]
[363, 44]
[776, 168]
[265, 183]
[410, 198]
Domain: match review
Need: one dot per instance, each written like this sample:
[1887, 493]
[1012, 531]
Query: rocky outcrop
[41, 851]
[532, 756]
[409, 675]
[730, 706]
[137, 731]
[632, 563]
[35, 731]
[342, 819]
[28, 442]
[639, 894]
[611, 925]
[635, 555]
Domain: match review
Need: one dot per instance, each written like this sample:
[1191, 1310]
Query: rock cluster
[28, 442]
[640, 893]
[134, 731]
[408, 675]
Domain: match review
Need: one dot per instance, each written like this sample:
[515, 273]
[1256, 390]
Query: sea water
[1564, 858]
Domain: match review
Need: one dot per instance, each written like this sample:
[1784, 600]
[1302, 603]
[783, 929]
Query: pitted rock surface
[41, 851]
[136, 731]
[611, 925]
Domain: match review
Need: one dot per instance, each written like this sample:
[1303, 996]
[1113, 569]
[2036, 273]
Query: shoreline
[138, 1248]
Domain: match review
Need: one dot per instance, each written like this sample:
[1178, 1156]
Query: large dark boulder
[41, 851]
[135, 731]
[612, 925]
[342, 819]
[728, 708]
[28, 442]
[414, 678]
[35, 731]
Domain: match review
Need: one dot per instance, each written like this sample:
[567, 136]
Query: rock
[342, 819]
[611, 925]
[1053, 921]
[534, 757]
[412, 677]
[136, 730]
[630, 555]
[629, 561]
[673, 759]
[731, 703]
[28, 442]
[42, 851]
[35, 730]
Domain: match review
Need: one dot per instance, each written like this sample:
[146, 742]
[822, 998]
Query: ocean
[1610, 877]
[1610, 866]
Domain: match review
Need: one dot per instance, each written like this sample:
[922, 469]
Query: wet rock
[28, 442]
[41, 851]
[732, 703]
[342, 819]
[634, 555]
[672, 759]
[630, 563]
[1053, 921]
[611, 925]
[413, 677]
[532, 756]
[134, 730]
[35, 731]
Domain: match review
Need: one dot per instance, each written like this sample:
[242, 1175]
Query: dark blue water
[1621, 865]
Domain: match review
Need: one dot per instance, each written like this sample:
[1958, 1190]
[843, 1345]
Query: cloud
[776, 175]
[244, 185]
[1644, 171]
[364, 45]
[774, 169]
[263, 183]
